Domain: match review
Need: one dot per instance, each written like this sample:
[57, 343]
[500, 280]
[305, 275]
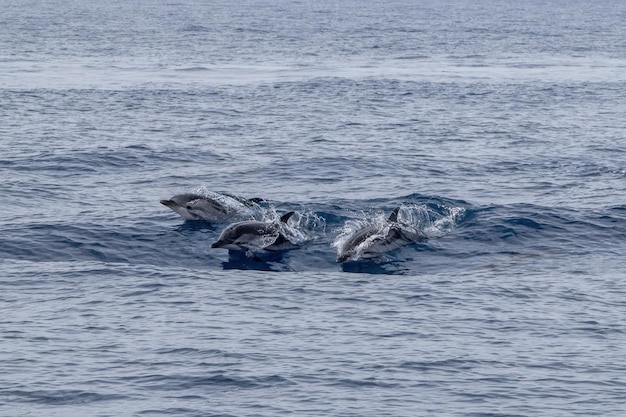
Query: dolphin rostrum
[372, 241]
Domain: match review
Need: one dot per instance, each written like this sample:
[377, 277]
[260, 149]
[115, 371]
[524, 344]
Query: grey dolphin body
[252, 236]
[392, 236]
[219, 207]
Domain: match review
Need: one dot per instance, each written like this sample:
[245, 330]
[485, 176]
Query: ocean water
[499, 126]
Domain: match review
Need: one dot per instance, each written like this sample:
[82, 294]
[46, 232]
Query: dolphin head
[179, 203]
[167, 203]
[228, 237]
[224, 244]
[342, 258]
[183, 199]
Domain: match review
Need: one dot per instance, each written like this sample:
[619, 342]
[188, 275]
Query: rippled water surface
[497, 127]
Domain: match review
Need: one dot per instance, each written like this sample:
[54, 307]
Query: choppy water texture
[497, 125]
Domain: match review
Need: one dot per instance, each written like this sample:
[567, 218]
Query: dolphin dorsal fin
[393, 217]
[286, 216]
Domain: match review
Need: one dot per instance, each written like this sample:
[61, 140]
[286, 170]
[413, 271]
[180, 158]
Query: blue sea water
[501, 123]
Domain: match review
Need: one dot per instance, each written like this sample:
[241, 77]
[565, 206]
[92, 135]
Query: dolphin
[216, 207]
[372, 241]
[252, 236]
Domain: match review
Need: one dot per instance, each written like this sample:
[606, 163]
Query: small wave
[305, 226]
[195, 28]
[193, 69]
[184, 382]
[302, 226]
[172, 411]
[62, 397]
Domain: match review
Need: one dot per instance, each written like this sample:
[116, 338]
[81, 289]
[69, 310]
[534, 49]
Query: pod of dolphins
[252, 234]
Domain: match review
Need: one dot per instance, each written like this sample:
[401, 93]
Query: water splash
[418, 221]
[376, 222]
[301, 227]
[433, 220]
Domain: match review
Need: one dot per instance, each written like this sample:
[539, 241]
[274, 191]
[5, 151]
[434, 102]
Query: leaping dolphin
[373, 241]
[214, 207]
[252, 236]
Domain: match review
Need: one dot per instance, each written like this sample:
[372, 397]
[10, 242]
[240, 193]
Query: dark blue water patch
[197, 226]
[619, 209]
[524, 222]
[369, 266]
[83, 242]
[268, 261]
[532, 222]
